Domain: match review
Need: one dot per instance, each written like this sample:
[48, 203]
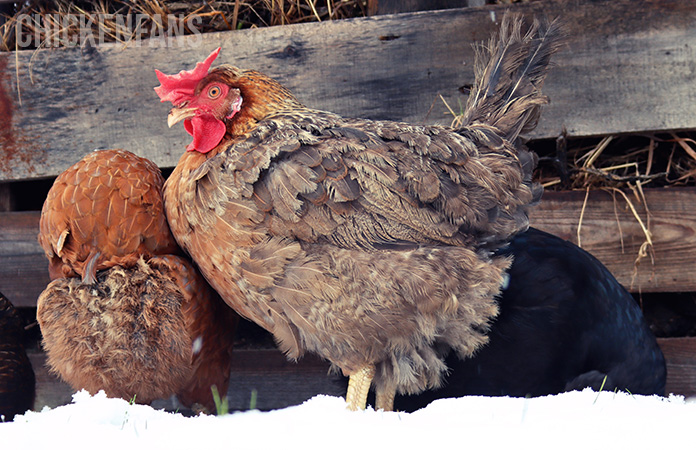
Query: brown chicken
[366, 242]
[142, 322]
[104, 211]
[17, 381]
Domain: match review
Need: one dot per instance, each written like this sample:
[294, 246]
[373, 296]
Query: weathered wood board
[627, 67]
[609, 231]
[681, 365]
[404, 6]
[23, 264]
[279, 383]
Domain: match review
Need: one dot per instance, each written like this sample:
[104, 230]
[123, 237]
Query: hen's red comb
[180, 87]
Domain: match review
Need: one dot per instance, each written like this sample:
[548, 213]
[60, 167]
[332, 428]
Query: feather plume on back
[504, 103]
[510, 70]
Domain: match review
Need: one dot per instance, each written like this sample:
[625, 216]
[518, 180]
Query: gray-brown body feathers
[137, 333]
[366, 242]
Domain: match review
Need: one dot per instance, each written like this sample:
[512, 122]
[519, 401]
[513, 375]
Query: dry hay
[58, 23]
[622, 161]
[622, 165]
[36, 24]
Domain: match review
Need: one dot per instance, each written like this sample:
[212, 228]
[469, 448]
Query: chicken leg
[358, 387]
[384, 398]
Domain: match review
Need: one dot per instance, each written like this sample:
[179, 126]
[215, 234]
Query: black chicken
[565, 323]
[17, 382]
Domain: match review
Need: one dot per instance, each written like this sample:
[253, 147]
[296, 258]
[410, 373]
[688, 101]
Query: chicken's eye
[214, 91]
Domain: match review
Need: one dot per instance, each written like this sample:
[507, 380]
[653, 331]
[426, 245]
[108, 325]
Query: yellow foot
[358, 386]
[385, 399]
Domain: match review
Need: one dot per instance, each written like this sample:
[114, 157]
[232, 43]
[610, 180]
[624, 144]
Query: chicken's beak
[176, 115]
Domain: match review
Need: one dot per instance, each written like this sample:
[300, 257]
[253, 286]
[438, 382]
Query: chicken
[141, 322]
[102, 212]
[365, 242]
[17, 381]
[565, 323]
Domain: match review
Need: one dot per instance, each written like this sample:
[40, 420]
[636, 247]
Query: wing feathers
[425, 184]
[318, 173]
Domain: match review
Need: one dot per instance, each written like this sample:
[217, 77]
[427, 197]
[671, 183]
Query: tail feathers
[510, 71]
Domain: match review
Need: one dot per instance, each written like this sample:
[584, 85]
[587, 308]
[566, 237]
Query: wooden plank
[23, 264]
[609, 231]
[50, 390]
[680, 355]
[279, 383]
[5, 197]
[632, 72]
[406, 6]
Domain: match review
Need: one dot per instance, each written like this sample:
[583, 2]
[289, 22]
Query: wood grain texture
[612, 233]
[5, 197]
[23, 264]
[278, 383]
[609, 231]
[627, 67]
[404, 6]
[680, 355]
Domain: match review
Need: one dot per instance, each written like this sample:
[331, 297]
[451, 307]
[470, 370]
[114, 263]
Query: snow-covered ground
[582, 420]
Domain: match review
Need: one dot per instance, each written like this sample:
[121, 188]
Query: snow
[574, 420]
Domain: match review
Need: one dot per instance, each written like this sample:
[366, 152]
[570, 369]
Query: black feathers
[565, 323]
[17, 381]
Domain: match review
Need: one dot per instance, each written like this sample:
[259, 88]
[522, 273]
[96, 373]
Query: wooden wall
[625, 69]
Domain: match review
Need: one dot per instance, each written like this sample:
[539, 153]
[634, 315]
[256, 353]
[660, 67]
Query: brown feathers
[105, 210]
[366, 242]
[148, 332]
[104, 336]
[148, 325]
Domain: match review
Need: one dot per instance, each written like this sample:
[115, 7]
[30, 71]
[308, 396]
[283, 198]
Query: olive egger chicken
[366, 242]
[126, 312]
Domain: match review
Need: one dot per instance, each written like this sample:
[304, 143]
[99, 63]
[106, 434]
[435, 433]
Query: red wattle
[207, 132]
